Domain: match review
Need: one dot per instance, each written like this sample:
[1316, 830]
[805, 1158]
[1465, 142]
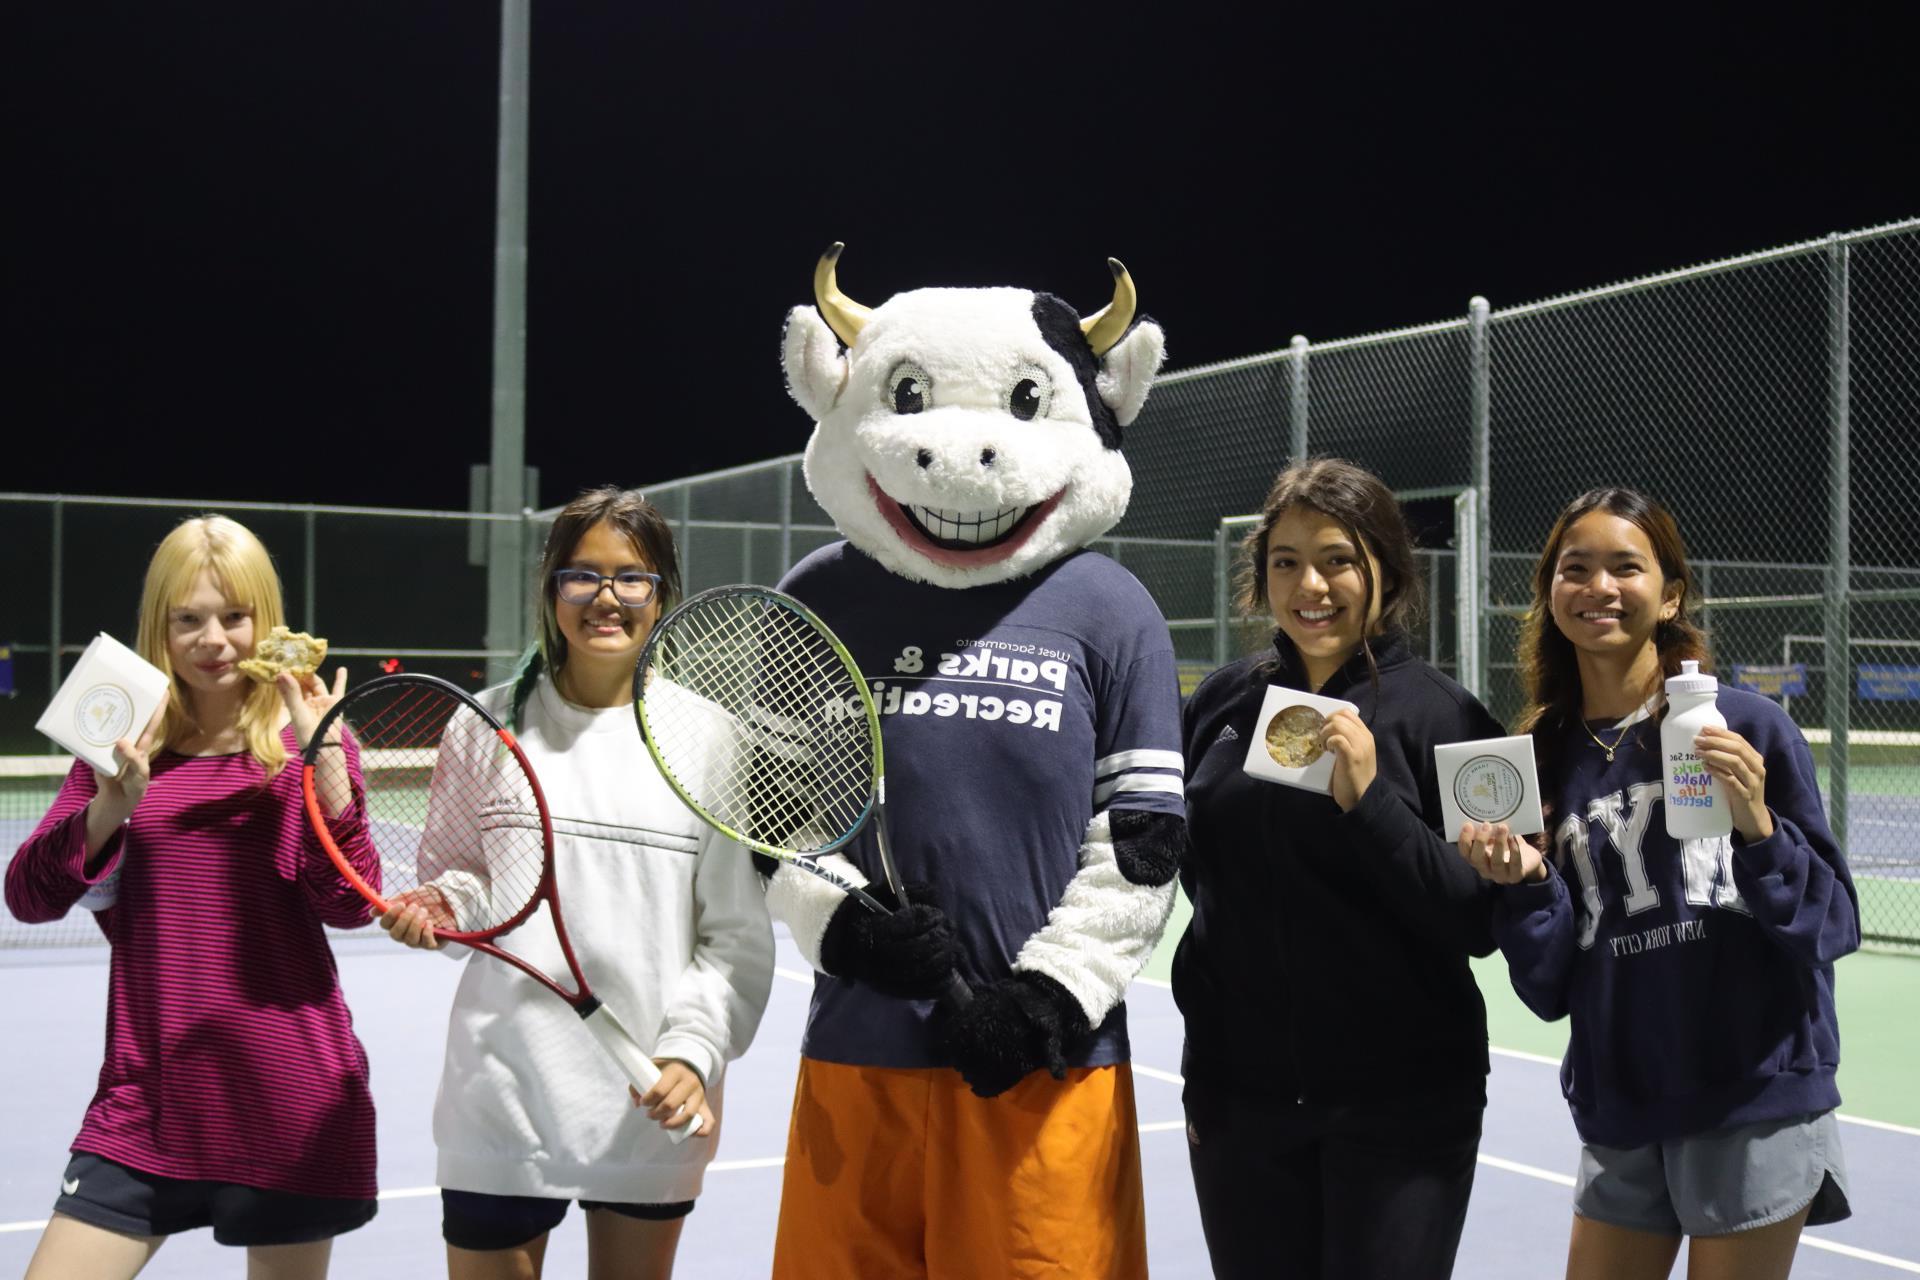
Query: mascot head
[969, 436]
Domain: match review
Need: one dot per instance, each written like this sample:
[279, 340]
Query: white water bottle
[1696, 801]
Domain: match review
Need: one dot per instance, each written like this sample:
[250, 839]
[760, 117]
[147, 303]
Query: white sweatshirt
[669, 922]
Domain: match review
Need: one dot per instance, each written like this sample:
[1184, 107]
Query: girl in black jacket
[1336, 1054]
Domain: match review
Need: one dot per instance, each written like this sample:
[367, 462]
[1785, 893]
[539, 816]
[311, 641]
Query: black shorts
[104, 1193]
[481, 1221]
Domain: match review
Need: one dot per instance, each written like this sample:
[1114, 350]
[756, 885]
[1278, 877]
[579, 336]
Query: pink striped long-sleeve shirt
[230, 1052]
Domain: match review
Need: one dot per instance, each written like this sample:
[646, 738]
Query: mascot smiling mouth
[962, 538]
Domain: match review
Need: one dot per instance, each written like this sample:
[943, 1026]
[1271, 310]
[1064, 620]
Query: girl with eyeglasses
[233, 1093]
[1697, 974]
[666, 915]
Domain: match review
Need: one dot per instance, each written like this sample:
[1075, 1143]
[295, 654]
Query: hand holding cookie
[1354, 762]
[308, 700]
[284, 652]
[1293, 737]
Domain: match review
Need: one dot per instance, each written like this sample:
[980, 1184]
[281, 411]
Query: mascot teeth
[966, 528]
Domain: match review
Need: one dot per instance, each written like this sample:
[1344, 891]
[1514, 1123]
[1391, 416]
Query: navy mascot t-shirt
[1011, 714]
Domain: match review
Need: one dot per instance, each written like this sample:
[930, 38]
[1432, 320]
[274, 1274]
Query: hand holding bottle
[1743, 772]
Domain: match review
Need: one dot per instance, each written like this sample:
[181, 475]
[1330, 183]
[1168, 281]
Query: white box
[1490, 780]
[1297, 738]
[111, 693]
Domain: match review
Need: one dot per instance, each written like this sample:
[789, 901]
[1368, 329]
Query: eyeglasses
[582, 586]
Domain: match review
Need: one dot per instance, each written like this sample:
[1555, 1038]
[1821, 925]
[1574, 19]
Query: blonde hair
[245, 574]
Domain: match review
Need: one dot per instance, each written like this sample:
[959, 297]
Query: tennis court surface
[1517, 1226]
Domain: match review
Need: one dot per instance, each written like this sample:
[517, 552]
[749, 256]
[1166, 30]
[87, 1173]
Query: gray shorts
[1711, 1184]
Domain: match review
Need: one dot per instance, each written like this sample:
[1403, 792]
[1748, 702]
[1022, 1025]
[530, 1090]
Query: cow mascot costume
[967, 446]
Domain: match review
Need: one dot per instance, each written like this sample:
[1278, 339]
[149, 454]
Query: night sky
[249, 246]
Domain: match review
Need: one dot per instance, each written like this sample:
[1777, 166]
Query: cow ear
[816, 367]
[1128, 370]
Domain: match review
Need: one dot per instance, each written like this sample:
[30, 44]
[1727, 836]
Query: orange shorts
[894, 1173]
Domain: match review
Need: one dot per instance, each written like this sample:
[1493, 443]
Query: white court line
[1882, 1124]
[1172, 1126]
[1851, 1119]
[1540, 1058]
[1154, 1073]
[1531, 1171]
[1809, 1241]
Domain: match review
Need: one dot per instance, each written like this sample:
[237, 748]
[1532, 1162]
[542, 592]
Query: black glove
[1014, 1027]
[908, 952]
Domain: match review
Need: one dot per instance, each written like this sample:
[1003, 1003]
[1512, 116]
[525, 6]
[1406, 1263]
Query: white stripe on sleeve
[1142, 759]
[1137, 782]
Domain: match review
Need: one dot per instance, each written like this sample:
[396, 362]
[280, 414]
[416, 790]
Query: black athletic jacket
[1327, 957]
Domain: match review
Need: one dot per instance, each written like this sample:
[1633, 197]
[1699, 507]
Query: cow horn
[1109, 324]
[843, 315]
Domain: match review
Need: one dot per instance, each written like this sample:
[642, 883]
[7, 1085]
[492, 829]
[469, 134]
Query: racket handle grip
[638, 1067]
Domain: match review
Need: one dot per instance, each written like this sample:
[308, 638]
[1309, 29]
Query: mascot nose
[924, 458]
[986, 457]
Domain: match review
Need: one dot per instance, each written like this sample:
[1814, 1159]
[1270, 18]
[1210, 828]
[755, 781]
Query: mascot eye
[908, 388]
[1030, 395]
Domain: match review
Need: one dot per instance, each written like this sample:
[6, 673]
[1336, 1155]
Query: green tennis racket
[761, 722]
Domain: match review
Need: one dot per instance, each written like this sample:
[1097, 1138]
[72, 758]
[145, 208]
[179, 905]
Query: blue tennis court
[1517, 1226]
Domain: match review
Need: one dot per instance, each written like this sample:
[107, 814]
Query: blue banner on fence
[6, 670]
[1880, 682]
[1776, 682]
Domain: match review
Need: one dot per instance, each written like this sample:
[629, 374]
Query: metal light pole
[506, 489]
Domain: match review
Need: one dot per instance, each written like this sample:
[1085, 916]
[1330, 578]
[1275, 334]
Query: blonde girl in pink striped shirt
[233, 1093]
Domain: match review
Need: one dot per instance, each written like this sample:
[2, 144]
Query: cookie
[294, 652]
[1293, 737]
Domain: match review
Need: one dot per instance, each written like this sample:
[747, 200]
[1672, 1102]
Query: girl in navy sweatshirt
[1698, 973]
[1336, 1054]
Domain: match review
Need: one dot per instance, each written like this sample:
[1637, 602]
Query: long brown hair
[1367, 512]
[626, 510]
[1548, 664]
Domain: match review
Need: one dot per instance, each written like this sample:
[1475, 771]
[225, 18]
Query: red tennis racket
[457, 816]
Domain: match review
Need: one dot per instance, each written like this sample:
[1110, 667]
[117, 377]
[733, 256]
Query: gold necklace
[1622, 737]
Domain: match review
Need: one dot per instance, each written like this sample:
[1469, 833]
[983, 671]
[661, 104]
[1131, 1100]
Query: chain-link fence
[1768, 400]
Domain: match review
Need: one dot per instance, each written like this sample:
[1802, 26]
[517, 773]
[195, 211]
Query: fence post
[1479, 350]
[1220, 595]
[1839, 631]
[1705, 577]
[1433, 609]
[686, 538]
[1297, 370]
[786, 521]
[1467, 622]
[59, 571]
[308, 623]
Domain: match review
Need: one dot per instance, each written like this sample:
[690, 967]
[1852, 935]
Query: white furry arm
[1103, 931]
[805, 902]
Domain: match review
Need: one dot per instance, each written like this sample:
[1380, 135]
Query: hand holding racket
[465, 841]
[792, 765]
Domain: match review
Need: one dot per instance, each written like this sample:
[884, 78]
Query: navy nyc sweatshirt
[1698, 973]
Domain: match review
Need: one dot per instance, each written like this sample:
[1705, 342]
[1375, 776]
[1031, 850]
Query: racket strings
[797, 769]
[449, 808]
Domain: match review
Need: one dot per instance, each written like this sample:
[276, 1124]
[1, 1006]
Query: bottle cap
[1691, 680]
